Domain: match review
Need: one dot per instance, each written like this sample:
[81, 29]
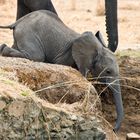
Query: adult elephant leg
[111, 24]
[51, 7]
[22, 10]
[27, 6]
[34, 5]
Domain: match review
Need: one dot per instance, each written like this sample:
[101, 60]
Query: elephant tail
[12, 26]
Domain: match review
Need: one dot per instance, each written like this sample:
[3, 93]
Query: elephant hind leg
[10, 52]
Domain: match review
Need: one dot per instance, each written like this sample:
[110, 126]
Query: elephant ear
[84, 51]
[100, 38]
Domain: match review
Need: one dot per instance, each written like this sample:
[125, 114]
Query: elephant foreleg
[10, 52]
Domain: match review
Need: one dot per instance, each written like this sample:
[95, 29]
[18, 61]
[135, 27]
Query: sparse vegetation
[25, 93]
[129, 53]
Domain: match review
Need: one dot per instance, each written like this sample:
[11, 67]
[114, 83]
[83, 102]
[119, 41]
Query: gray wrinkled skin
[25, 7]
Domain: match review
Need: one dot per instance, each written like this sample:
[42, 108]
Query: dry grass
[129, 53]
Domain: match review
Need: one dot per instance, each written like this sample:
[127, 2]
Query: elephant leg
[10, 52]
[22, 10]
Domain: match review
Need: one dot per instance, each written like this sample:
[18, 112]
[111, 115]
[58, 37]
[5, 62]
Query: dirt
[86, 18]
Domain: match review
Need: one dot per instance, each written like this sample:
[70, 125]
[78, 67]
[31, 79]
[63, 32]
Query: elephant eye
[108, 71]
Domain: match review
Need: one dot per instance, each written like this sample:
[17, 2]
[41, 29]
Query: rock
[92, 135]
[132, 136]
[88, 125]
[29, 117]
[16, 108]
[25, 114]
[2, 105]
[54, 83]
[66, 123]
[73, 117]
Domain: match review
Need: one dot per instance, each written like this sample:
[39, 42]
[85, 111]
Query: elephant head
[89, 53]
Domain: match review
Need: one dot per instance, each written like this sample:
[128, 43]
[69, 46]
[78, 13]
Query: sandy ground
[85, 18]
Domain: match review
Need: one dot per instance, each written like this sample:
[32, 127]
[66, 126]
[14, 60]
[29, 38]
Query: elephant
[47, 39]
[26, 6]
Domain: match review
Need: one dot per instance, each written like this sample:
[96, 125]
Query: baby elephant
[42, 36]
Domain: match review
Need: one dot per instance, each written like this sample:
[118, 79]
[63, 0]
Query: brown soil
[84, 18]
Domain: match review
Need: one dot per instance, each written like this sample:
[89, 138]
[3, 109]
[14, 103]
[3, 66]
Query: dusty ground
[85, 18]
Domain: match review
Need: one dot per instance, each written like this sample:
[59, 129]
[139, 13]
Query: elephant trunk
[111, 24]
[115, 87]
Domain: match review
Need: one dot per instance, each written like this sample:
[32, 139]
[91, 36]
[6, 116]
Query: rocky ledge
[42, 101]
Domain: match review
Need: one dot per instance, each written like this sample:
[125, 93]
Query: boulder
[132, 136]
[46, 101]
[54, 83]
